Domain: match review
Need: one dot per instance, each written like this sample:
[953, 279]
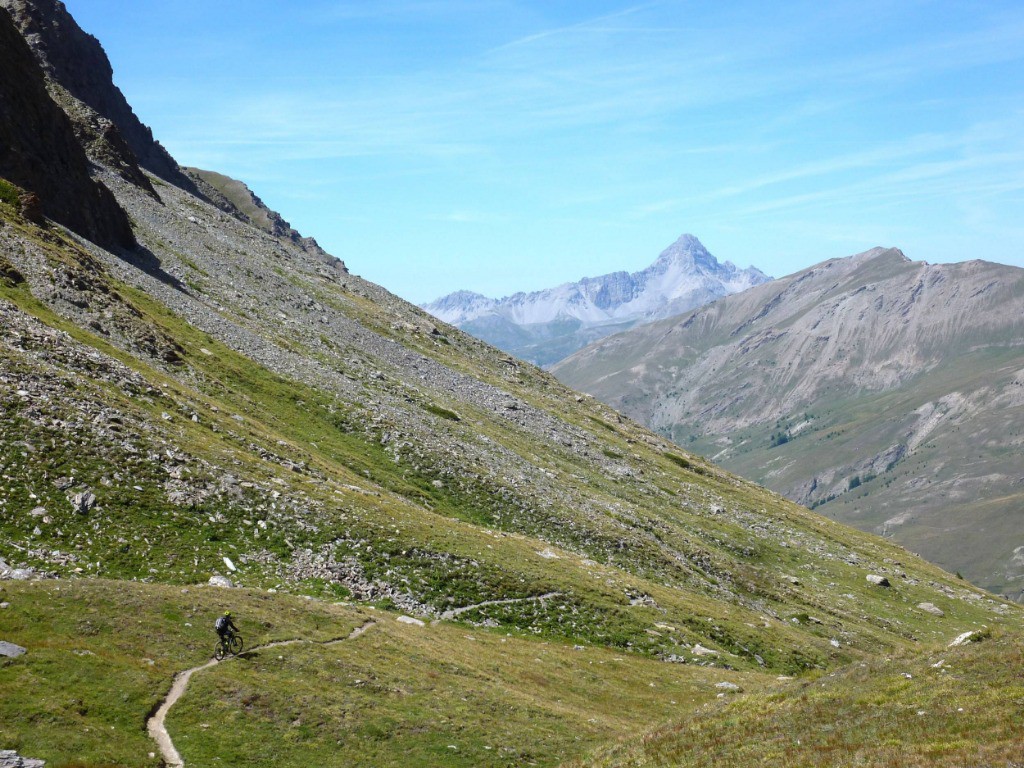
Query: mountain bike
[229, 645]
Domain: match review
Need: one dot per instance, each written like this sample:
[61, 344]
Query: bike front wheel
[235, 645]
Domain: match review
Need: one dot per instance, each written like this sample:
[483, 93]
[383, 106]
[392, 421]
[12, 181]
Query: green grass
[9, 194]
[948, 707]
[102, 654]
[444, 413]
[436, 695]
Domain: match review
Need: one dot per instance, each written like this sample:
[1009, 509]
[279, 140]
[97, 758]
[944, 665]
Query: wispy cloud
[466, 217]
[596, 24]
[392, 10]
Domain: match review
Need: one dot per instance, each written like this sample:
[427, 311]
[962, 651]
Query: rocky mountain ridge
[544, 326]
[884, 392]
[106, 131]
[81, 77]
[40, 153]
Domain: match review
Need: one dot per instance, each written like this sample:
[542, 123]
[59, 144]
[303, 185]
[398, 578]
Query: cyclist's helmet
[228, 614]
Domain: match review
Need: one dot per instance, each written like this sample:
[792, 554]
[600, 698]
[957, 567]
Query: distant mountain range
[884, 392]
[543, 327]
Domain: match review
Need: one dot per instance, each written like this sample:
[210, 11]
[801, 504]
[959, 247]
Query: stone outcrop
[40, 153]
[11, 759]
[10, 650]
[76, 62]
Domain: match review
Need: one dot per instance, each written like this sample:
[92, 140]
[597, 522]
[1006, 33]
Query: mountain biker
[225, 626]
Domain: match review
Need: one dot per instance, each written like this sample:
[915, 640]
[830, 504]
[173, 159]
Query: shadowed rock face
[75, 60]
[40, 153]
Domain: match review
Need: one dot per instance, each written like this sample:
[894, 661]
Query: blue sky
[501, 146]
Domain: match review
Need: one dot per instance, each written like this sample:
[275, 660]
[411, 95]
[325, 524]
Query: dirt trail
[155, 725]
[451, 614]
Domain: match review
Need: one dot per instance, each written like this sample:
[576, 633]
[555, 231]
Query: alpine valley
[437, 555]
[880, 391]
[543, 327]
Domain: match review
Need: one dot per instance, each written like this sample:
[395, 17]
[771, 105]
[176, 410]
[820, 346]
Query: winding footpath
[451, 614]
[155, 725]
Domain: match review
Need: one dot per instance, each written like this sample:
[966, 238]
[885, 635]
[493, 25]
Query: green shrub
[676, 459]
[9, 193]
[444, 413]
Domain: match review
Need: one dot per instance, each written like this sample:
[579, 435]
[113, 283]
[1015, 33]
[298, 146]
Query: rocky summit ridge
[544, 326]
[455, 559]
[884, 392]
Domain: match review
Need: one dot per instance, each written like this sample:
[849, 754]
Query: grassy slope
[719, 562]
[738, 558]
[948, 707]
[101, 654]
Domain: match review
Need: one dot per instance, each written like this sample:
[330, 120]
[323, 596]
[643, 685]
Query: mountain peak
[544, 326]
[688, 242]
[690, 253]
[460, 306]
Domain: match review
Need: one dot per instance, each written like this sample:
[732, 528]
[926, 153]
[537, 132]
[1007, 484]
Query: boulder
[11, 759]
[220, 581]
[83, 502]
[880, 581]
[14, 574]
[700, 650]
[963, 639]
[931, 608]
[10, 649]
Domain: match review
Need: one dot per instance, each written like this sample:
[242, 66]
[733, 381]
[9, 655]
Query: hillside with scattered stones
[223, 414]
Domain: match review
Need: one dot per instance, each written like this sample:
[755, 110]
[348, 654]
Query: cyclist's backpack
[221, 624]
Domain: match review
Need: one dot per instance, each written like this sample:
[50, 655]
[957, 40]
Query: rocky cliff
[77, 67]
[40, 153]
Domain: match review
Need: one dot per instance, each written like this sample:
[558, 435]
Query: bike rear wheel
[220, 651]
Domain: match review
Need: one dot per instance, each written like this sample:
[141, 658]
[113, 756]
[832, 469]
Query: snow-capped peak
[683, 276]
